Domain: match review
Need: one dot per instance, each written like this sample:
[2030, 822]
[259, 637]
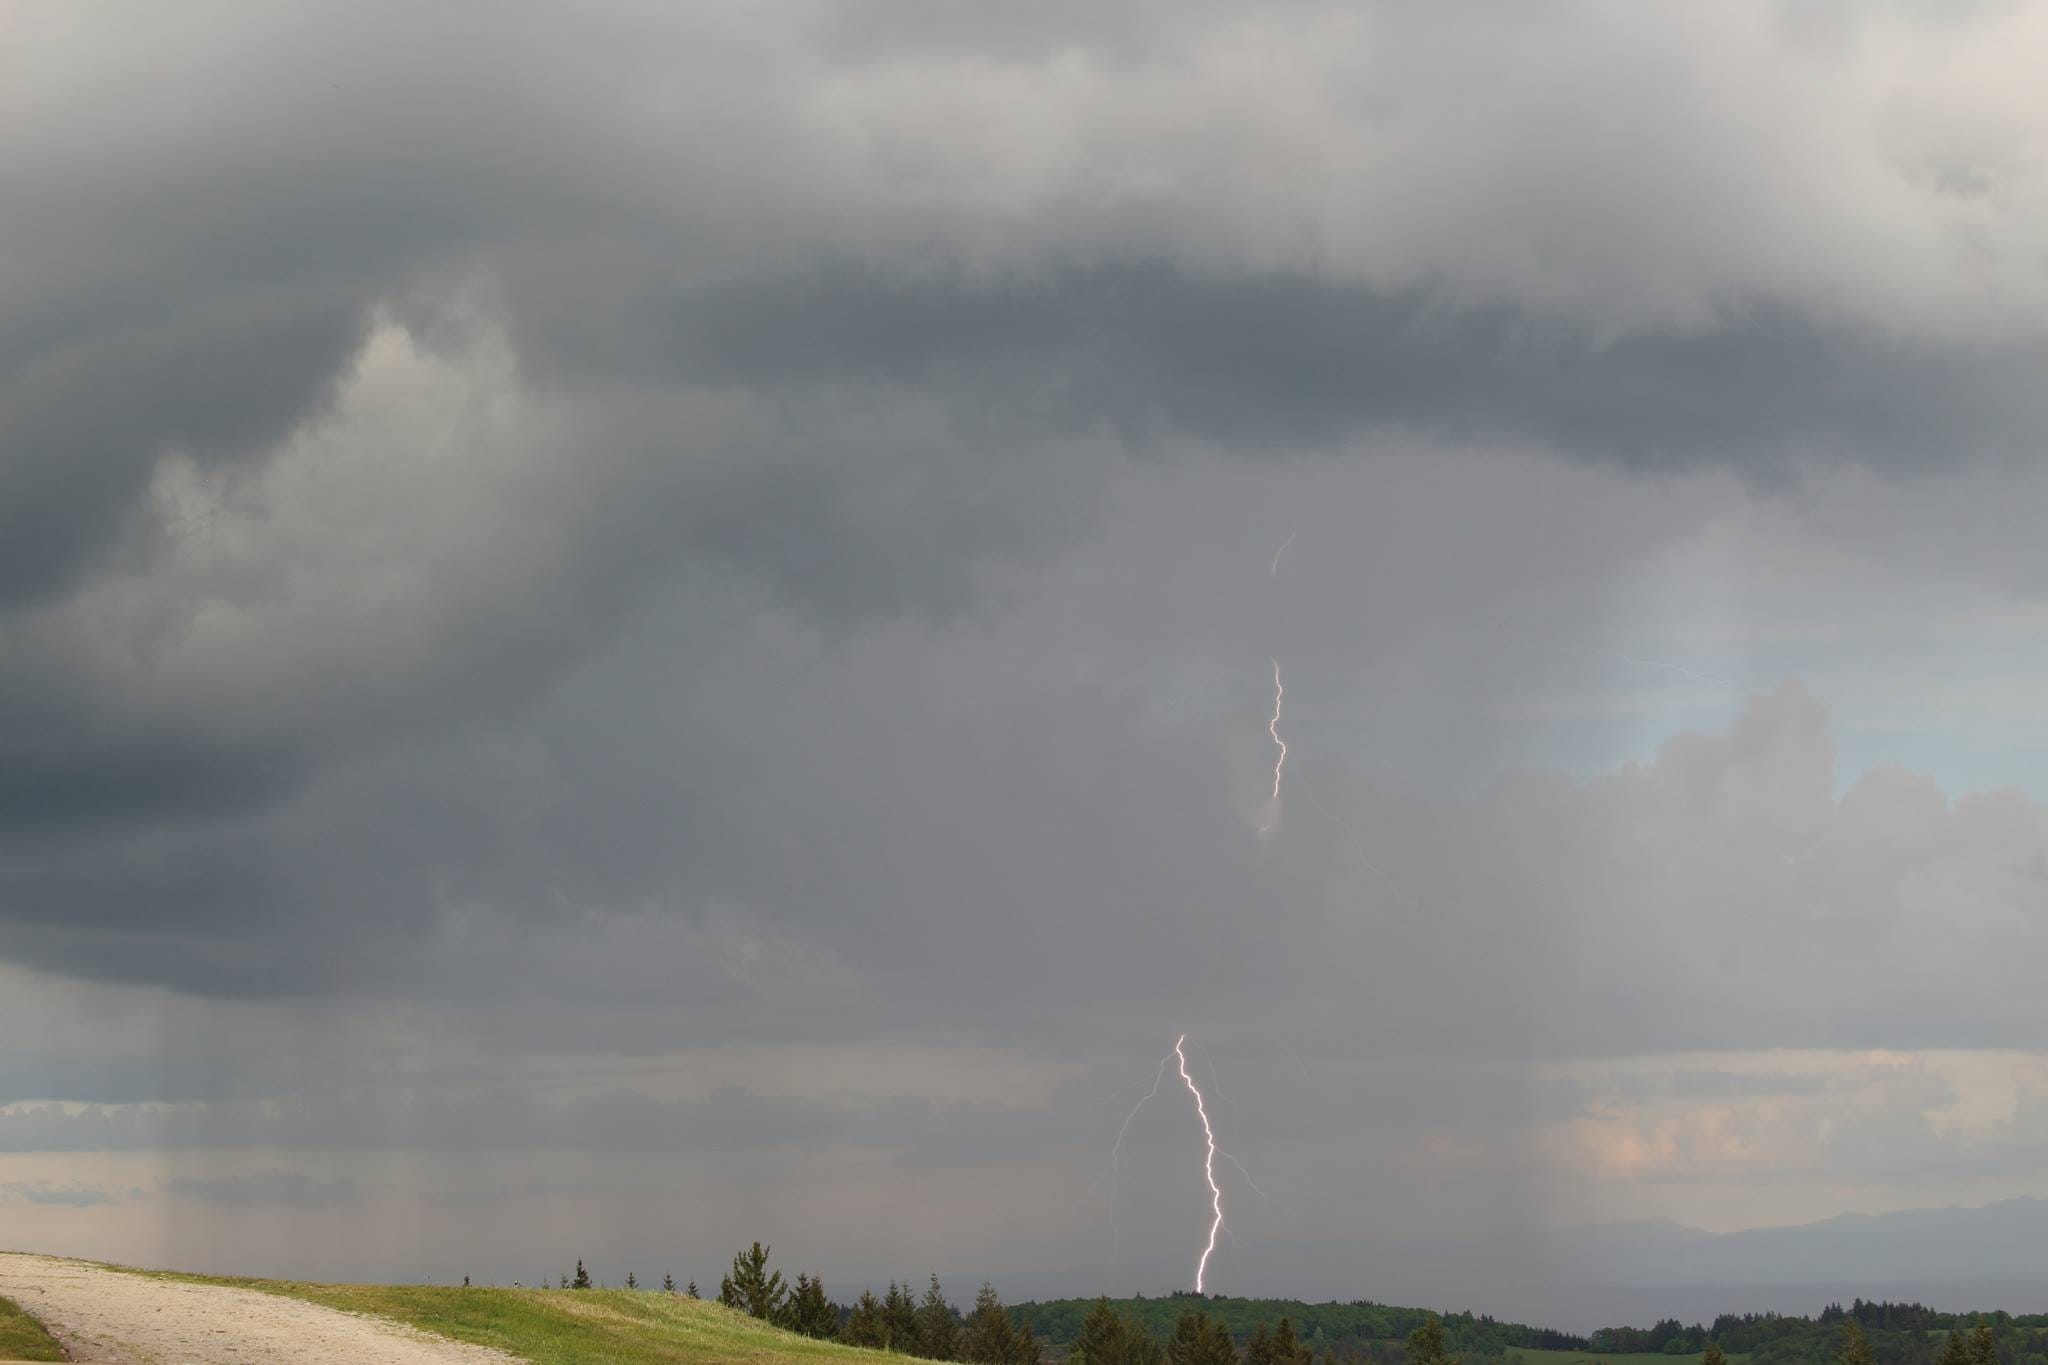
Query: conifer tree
[752, 1287]
[1714, 1355]
[668, 1283]
[1983, 1346]
[631, 1283]
[810, 1312]
[938, 1325]
[691, 1291]
[1426, 1344]
[582, 1280]
[1855, 1348]
[1107, 1337]
[987, 1338]
[864, 1325]
[899, 1319]
[1279, 1347]
[1199, 1339]
[1024, 1347]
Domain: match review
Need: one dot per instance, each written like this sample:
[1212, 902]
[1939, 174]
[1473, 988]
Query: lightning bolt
[1273, 729]
[1242, 1171]
[1116, 1151]
[1281, 551]
[1208, 1166]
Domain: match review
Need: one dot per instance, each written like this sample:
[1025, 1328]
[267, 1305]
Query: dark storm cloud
[786, 349]
[82, 423]
[1160, 354]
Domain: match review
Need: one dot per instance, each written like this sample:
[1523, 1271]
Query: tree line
[1360, 1330]
[928, 1327]
[1188, 1329]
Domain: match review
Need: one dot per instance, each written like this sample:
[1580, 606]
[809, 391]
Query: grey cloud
[708, 525]
[65, 1196]
[1159, 353]
[267, 1189]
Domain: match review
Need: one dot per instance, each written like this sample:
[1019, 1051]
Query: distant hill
[2003, 1242]
[1903, 1333]
[1581, 1278]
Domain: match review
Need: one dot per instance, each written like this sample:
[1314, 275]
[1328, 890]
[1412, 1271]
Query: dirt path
[108, 1318]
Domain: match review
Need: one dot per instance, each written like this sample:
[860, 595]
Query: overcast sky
[622, 631]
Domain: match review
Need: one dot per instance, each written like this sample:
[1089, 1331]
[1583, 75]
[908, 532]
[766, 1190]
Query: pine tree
[810, 1312]
[1855, 1348]
[631, 1283]
[1714, 1355]
[668, 1283]
[988, 1338]
[938, 1325]
[1279, 1347]
[864, 1326]
[1107, 1337]
[582, 1280]
[899, 1319]
[1426, 1344]
[690, 1290]
[752, 1287]
[1024, 1347]
[1199, 1339]
[1983, 1346]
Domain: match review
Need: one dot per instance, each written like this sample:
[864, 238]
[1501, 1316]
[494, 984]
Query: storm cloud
[555, 571]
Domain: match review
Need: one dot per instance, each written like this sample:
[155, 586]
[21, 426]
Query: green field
[1611, 1357]
[573, 1326]
[22, 1337]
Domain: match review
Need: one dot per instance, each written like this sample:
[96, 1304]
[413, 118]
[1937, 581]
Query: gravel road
[108, 1318]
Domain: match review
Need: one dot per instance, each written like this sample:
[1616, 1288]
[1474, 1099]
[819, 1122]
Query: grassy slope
[23, 1338]
[575, 1326]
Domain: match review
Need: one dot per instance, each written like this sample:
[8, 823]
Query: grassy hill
[22, 1337]
[573, 1326]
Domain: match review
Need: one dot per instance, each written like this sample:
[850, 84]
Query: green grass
[573, 1326]
[1534, 1357]
[23, 1338]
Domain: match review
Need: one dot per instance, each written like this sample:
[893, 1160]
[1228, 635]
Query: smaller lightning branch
[1208, 1166]
[1115, 1154]
[1243, 1172]
[1281, 551]
[1273, 729]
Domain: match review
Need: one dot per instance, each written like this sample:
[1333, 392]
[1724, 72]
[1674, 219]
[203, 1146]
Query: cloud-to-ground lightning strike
[1208, 1166]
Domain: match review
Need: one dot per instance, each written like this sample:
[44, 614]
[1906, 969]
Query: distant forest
[1349, 1331]
[1890, 1333]
[1191, 1329]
